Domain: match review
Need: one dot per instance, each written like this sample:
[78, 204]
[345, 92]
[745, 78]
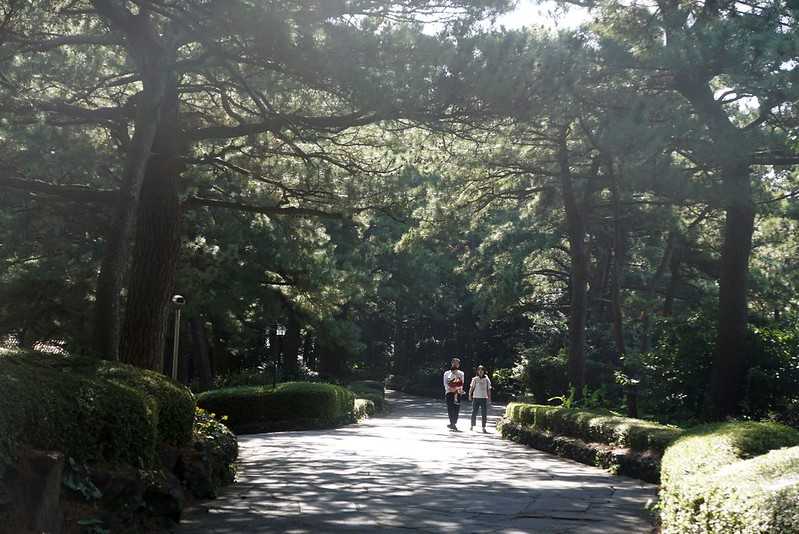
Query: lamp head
[178, 300]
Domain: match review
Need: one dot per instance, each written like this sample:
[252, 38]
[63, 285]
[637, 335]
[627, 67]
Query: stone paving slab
[407, 473]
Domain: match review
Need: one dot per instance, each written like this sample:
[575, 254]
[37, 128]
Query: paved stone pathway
[407, 473]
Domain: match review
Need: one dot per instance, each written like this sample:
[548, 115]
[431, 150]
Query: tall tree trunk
[675, 272]
[730, 362]
[578, 253]
[599, 279]
[218, 344]
[732, 147]
[291, 346]
[108, 304]
[309, 357]
[157, 245]
[200, 354]
[619, 255]
[153, 63]
[651, 290]
[330, 362]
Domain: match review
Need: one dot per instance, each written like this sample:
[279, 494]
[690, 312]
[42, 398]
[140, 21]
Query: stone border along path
[406, 472]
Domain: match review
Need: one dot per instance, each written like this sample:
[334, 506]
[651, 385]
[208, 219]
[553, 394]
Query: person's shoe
[485, 431]
[471, 428]
[455, 429]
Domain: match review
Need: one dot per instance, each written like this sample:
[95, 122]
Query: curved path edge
[406, 472]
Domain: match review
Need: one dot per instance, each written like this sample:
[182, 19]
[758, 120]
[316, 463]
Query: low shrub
[710, 485]
[506, 384]
[644, 465]
[594, 426]
[215, 440]
[760, 495]
[290, 406]
[674, 374]
[175, 403]
[90, 410]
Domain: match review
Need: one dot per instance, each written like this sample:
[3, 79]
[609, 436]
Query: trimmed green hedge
[718, 478]
[594, 426]
[175, 403]
[760, 495]
[88, 409]
[644, 465]
[291, 406]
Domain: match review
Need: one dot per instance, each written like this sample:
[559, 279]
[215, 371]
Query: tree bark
[646, 319]
[619, 254]
[732, 147]
[157, 245]
[330, 363]
[200, 353]
[578, 253]
[153, 63]
[309, 351]
[291, 347]
[730, 359]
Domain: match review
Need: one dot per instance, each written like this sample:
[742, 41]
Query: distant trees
[397, 197]
[268, 93]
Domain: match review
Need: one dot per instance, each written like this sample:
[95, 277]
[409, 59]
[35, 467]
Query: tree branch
[80, 193]
[279, 122]
[266, 210]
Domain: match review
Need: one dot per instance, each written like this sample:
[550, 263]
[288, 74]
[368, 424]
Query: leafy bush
[790, 415]
[675, 374]
[546, 374]
[506, 384]
[175, 403]
[594, 426]
[644, 465]
[707, 488]
[772, 383]
[760, 495]
[89, 410]
[292, 405]
[218, 443]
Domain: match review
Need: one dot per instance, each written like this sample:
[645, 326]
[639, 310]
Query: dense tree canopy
[587, 212]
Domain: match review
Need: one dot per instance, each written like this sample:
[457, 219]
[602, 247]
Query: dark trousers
[453, 408]
[482, 405]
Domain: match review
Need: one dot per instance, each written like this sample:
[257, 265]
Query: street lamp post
[177, 301]
[280, 331]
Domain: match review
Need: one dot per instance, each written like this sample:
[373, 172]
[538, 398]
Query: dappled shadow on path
[407, 472]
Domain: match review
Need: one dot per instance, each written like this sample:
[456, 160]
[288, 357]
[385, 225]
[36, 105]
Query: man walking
[453, 388]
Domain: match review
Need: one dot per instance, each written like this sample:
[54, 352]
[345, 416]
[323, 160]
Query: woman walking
[480, 395]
